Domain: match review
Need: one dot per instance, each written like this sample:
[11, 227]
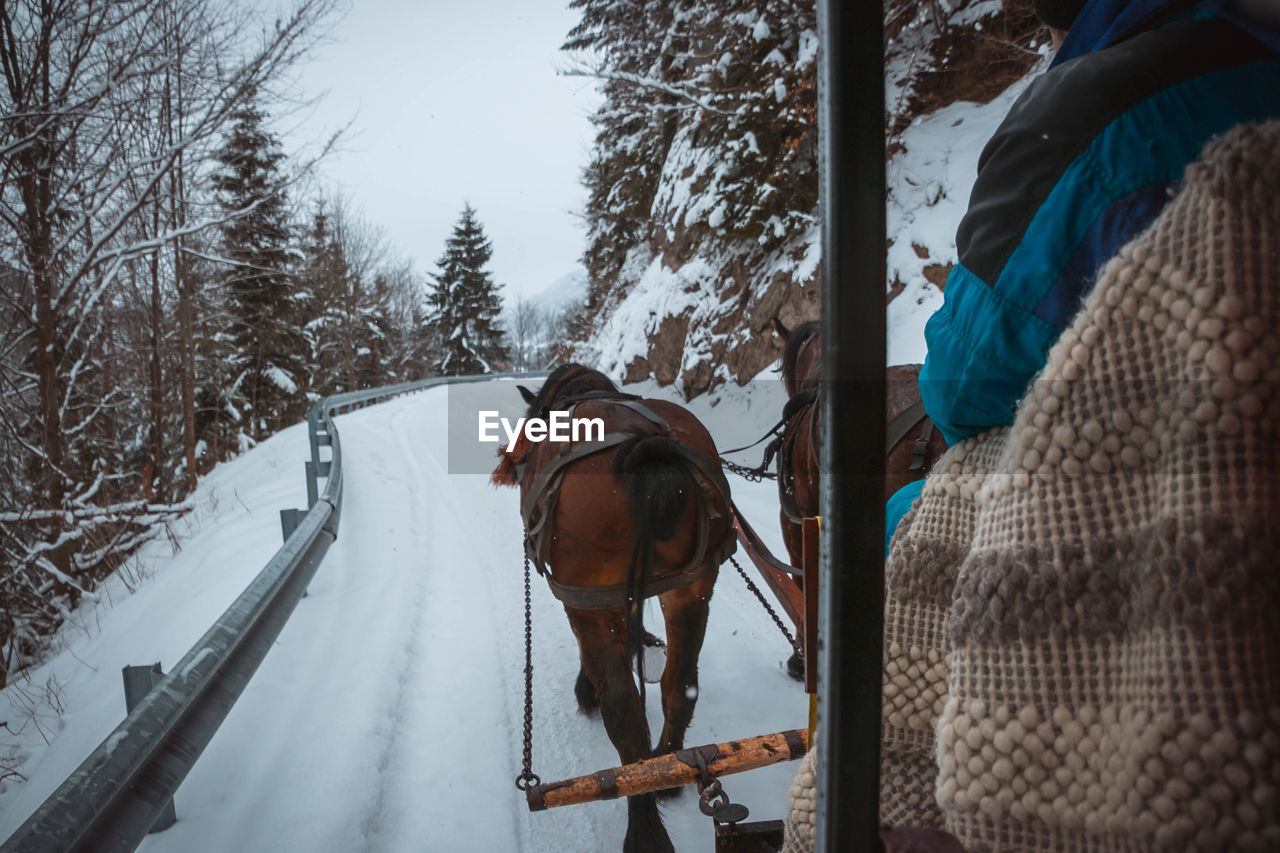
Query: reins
[797, 403]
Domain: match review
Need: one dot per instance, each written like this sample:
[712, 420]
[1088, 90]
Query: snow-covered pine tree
[265, 360]
[357, 298]
[419, 347]
[324, 278]
[463, 303]
[717, 92]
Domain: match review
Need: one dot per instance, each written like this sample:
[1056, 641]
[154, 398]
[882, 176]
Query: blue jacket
[1084, 161]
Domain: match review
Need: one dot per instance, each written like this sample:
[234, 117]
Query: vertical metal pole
[138, 681]
[313, 489]
[313, 430]
[289, 522]
[851, 590]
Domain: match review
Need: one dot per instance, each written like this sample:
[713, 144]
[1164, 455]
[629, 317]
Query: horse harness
[538, 507]
[784, 445]
[907, 420]
[797, 407]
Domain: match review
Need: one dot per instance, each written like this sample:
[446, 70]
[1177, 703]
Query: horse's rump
[580, 502]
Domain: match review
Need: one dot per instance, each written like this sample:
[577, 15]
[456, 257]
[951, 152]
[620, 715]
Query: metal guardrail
[112, 800]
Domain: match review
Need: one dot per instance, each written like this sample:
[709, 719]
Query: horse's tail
[657, 480]
[657, 484]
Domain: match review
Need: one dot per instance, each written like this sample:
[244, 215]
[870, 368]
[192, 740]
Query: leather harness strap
[539, 504]
[618, 595]
[896, 430]
[796, 407]
[920, 453]
[756, 544]
[902, 424]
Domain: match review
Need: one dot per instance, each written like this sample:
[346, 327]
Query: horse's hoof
[795, 666]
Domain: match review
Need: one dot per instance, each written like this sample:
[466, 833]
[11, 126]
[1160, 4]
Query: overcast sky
[455, 102]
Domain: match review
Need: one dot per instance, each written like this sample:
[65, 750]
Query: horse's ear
[528, 395]
[783, 331]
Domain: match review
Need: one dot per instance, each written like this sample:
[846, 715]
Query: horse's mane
[569, 380]
[799, 336]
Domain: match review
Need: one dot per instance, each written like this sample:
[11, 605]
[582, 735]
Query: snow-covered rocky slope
[699, 312]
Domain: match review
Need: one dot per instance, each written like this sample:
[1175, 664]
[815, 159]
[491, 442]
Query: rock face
[742, 341]
[706, 322]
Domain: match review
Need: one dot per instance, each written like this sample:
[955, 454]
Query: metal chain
[754, 475]
[527, 778]
[776, 619]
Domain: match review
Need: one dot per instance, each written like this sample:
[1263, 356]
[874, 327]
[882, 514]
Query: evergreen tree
[265, 359]
[354, 293]
[419, 344]
[716, 97]
[325, 278]
[463, 304]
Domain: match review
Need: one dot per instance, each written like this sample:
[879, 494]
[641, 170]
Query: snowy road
[388, 716]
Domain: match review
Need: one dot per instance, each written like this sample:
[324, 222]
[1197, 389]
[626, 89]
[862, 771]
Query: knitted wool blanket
[1082, 643]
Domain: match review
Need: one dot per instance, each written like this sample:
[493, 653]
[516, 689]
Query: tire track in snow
[443, 760]
[371, 825]
[293, 764]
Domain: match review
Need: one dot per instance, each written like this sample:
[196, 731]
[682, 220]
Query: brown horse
[798, 453]
[642, 512]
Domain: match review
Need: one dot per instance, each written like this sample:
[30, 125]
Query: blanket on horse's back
[1082, 649]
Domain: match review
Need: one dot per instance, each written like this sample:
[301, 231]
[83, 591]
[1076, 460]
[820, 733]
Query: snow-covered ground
[388, 716]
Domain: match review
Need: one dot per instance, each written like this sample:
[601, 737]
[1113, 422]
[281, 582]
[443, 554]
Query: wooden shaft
[784, 586]
[670, 771]
[811, 533]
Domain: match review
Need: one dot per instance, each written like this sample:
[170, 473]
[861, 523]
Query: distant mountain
[539, 324]
[561, 293]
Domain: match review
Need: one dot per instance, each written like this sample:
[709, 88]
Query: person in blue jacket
[1083, 162]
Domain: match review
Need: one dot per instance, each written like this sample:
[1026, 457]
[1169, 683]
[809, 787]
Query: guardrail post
[313, 491]
[289, 519]
[313, 432]
[138, 681]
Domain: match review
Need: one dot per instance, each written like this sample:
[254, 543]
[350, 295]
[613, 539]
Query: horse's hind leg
[585, 692]
[584, 689]
[685, 611]
[602, 640]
